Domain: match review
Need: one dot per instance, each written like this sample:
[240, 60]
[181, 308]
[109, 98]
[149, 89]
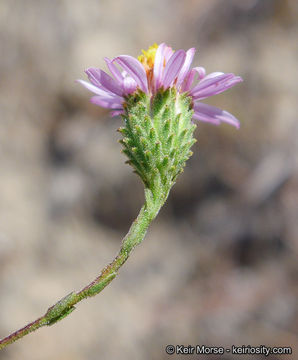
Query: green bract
[157, 136]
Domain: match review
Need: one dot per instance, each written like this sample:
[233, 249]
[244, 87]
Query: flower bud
[158, 135]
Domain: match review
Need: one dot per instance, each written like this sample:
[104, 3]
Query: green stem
[65, 306]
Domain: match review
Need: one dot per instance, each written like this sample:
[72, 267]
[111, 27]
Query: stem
[65, 306]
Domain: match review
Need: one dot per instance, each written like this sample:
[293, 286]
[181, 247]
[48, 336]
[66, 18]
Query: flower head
[160, 68]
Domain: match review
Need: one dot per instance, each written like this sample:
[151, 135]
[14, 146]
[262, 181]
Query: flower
[160, 67]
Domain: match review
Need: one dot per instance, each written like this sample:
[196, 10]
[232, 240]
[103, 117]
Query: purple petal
[135, 69]
[215, 86]
[184, 70]
[105, 81]
[158, 65]
[129, 85]
[173, 67]
[213, 75]
[213, 115]
[201, 71]
[95, 89]
[168, 53]
[190, 77]
[205, 83]
[214, 81]
[93, 78]
[106, 102]
[114, 70]
[217, 90]
[116, 113]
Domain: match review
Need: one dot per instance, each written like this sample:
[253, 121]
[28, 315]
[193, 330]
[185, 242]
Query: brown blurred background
[219, 265]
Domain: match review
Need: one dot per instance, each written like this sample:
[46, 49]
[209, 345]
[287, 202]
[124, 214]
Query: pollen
[148, 56]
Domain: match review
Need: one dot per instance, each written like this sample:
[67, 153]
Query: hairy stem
[65, 306]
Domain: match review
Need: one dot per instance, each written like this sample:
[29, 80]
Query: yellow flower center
[148, 57]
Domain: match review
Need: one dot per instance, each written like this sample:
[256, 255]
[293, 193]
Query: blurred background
[219, 264]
